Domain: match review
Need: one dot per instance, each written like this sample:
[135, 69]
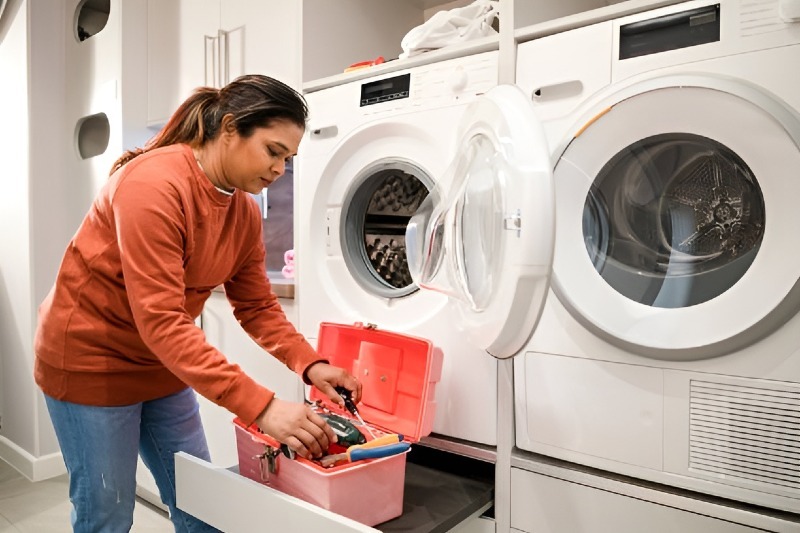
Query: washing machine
[668, 349]
[385, 149]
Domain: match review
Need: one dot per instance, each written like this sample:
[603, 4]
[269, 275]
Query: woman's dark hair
[254, 101]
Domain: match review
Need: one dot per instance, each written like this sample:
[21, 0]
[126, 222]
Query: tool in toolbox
[381, 447]
[346, 432]
[350, 405]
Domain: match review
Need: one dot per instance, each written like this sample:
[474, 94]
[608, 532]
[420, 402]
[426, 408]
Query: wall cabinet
[210, 42]
[193, 43]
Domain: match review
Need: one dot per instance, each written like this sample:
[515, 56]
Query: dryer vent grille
[746, 435]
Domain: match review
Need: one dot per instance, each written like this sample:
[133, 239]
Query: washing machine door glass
[676, 206]
[477, 204]
[673, 220]
[488, 245]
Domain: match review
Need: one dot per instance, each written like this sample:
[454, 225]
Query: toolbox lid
[398, 375]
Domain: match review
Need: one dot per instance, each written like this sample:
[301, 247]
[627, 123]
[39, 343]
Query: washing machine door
[677, 217]
[489, 245]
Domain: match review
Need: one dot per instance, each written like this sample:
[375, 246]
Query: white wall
[25, 435]
[50, 81]
[338, 34]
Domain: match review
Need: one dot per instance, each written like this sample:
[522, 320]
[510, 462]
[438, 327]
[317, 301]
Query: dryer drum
[670, 207]
[719, 198]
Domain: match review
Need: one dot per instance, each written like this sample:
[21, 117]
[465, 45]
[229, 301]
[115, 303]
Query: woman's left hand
[326, 378]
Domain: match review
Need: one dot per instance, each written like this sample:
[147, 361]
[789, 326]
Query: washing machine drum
[379, 204]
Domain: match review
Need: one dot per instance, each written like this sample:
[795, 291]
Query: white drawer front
[233, 503]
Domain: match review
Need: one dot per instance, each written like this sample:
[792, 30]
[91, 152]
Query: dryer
[669, 346]
[378, 149]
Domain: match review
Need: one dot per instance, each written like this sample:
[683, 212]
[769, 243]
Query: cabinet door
[182, 52]
[262, 37]
[224, 332]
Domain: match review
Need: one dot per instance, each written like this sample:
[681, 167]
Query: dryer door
[489, 245]
[677, 217]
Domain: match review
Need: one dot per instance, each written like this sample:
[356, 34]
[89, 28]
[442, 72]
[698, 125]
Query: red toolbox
[398, 374]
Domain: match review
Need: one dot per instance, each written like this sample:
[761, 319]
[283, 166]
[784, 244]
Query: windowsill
[282, 287]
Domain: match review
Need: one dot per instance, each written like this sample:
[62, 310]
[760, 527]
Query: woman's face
[253, 163]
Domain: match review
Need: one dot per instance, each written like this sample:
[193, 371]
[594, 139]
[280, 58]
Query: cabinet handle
[224, 58]
[210, 42]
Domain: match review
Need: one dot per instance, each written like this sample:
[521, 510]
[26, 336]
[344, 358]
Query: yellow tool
[381, 447]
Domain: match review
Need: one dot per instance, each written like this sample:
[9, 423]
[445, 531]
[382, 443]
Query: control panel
[449, 82]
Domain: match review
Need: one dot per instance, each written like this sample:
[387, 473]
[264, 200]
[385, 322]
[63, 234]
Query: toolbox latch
[268, 462]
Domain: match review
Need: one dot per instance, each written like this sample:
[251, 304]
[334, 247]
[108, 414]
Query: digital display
[379, 91]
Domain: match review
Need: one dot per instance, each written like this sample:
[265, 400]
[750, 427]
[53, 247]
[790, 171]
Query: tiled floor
[44, 507]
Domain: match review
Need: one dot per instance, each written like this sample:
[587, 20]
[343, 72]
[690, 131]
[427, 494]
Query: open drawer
[435, 501]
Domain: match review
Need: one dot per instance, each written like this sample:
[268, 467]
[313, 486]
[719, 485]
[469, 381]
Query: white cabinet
[553, 497]
[266, 40]
[180, 54]
[193, 43]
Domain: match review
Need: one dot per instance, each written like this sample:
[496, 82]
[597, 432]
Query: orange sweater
[118, 326]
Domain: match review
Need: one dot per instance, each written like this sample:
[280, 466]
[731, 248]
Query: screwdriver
[351, 406]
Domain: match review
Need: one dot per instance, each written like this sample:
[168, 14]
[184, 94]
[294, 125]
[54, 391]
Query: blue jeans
[100, 446]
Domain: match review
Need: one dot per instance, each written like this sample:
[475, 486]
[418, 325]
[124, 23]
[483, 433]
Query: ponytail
[253, 100]
[186, 125]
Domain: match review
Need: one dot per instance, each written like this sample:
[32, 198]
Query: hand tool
[346, 432]
[380, 447]
[350, 405]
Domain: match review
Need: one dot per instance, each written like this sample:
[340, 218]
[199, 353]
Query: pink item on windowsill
[288, 270]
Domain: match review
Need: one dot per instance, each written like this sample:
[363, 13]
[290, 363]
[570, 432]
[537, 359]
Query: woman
[118, 353]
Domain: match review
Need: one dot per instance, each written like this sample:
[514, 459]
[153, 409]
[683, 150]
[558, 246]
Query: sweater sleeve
[150, 223]
[258, 311]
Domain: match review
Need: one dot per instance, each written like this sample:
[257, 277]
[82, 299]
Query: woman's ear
[228, 124]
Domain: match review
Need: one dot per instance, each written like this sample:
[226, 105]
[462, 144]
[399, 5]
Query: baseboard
[33, 468]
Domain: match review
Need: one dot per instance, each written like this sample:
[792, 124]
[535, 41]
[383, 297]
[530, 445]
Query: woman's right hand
[297, 426]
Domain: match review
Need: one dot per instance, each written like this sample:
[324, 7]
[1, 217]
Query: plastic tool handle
[381, 451]
[394, 438]
[348, 400]
[364, 451]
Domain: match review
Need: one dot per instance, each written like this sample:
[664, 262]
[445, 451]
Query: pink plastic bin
[398, 375]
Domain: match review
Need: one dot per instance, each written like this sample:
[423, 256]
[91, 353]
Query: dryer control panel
[450, 82]
[376, 92]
